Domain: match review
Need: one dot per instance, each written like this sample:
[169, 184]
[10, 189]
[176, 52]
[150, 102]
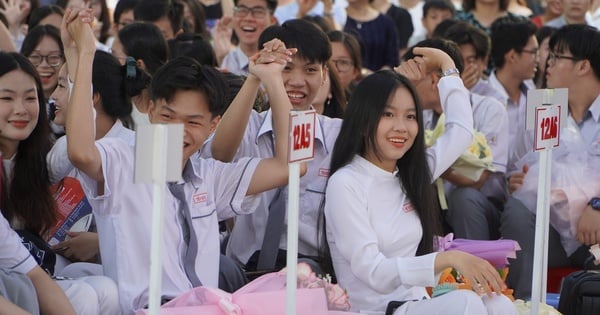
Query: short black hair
[42, 12]
[186, 74]
[310, 40]
[438, 4]
[271, 4]
[449, 47]
[154, 10]
[469, 5]
[145, 41]
[582, 41]
[194, 46]
[35, 36]
[121, 7]
[464, 33]
[509, 33]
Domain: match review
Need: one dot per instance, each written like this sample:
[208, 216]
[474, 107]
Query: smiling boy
[302, 76]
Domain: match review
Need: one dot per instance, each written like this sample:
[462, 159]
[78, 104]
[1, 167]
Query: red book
[74, 210]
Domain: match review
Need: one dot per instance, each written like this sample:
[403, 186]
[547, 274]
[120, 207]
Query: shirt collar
[524, 87]
[115, 129]
[241, 58]
[595, 109]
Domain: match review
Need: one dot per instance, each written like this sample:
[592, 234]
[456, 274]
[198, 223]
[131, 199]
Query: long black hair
[116, 84]
[358, 134]
[29, 198]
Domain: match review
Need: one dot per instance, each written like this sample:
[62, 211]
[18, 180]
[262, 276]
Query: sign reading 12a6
[547, 127]
[302, 136]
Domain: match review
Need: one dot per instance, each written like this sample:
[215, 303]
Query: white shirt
[123, 218]
[13, 255]
[372, 228]
[236, 62]
[491, 119]
[289, 11]
[248, 232]
[58, 161]
[138, 117]
[516, 111]
[575, 139]
[419, 32]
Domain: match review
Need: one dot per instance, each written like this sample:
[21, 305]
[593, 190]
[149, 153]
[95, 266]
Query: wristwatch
[595, 203]
[450, 71]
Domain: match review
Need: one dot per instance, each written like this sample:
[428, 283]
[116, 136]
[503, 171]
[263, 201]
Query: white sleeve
[13, 255]
[58, 161]
[458, 131]
[231, 182]
[356, 240]
[494, 125]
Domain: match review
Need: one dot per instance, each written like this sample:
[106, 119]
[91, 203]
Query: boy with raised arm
[183, 92]
[302, 76]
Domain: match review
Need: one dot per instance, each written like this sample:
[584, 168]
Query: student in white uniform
[303, 76]
[113, 86]
[27, 202]
[379, 207]
[573, 63]
[21, 278]
[184, 92]
[474, 205]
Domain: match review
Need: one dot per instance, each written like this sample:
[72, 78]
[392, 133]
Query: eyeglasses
[343, 65]
[553, 57]
[534, 52]
[53, 60]
[257, 12]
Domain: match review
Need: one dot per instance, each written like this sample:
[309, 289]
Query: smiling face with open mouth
[61, 97]
[396, 131]
[190, 108]
[250, 20]
[47, 68]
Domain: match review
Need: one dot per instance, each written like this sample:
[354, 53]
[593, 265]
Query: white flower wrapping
[575, 179]
[474, 160]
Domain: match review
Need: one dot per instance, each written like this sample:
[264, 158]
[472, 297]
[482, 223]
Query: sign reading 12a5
[302, 136]
[547, 128]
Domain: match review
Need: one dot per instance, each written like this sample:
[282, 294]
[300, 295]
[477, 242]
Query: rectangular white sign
[302, 136]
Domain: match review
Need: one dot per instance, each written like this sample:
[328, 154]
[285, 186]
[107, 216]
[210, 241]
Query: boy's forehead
[185, 103]
[300, 60]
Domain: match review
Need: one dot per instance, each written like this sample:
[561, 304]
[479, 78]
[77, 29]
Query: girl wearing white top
[380, 211]
[113, 85]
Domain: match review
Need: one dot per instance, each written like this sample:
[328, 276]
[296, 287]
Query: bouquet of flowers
[474, 160]
[496, 252]
[337, 298]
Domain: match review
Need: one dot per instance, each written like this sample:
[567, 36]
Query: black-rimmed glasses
[343, 65]
[257, 12]
[53, 60]
[553, 57]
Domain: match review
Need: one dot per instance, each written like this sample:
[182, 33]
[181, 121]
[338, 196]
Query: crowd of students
[75, 84]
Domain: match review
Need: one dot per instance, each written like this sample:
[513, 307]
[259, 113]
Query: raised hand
[470, 75]
[304, 6]
[271, 60]
[222, 37]
[78, 24]
[414, 69]
[15, 12]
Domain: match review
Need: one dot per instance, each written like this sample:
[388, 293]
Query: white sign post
[301, 149]
[546, 110]
[158, 159]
